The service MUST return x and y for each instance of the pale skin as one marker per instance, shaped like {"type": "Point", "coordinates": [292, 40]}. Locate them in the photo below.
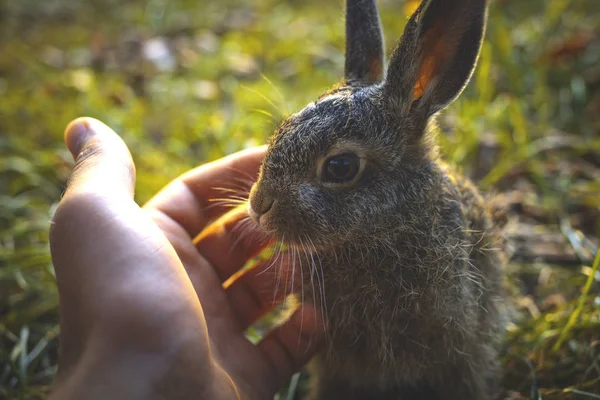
{"type": "Point", "coordinates": [143, 310]}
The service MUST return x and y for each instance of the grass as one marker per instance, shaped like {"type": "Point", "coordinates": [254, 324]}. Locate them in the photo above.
{"type": "Point", "coordinates": [187, 81]}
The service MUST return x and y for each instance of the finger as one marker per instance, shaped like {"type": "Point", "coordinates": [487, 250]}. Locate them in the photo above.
{"type": "Point", "coordinates": [187, 200]}
{"type": "Point", "coordinates": [99, 190]}
{"type": "Point", "coordinates": [103, 162]}
{"type": "Point", "coordinates": [291, 345]}
{"type": "Point", "coordinates": [259, 289]}
{"type": "Point", "coordinates": [229, 242]}
{"type": "Point", "coordinates": [103, 174]}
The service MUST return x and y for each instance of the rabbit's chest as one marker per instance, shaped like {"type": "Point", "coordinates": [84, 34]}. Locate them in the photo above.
{"type": "Point", "coordinates": [387, 340]}
{"type": "Point", "coordinates": [393, 325]}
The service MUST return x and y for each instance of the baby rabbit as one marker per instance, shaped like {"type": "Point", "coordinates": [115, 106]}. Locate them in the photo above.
{"type": "Point", "coordinates": [406, 260]}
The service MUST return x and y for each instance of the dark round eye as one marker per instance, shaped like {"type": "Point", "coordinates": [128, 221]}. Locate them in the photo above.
{"type": "Point", "coordinates": [341, 168]}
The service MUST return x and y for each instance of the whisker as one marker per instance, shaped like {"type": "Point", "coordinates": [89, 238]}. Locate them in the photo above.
{"type": "Point", "coordinates": [264, 112]}
{"type": "Point", "coordinates": [281, 98]}
{"type": "Point", "coordinates": [321, 283]}
{"type": "Point", "coordinates": [287, 272]}
{"type": "Point", "coordinates": [232, 206]}
{"type": "Point", "coordinates": [241, 199]}
{"type": "Point", "coordinates": [237, 200]}
{"type": "Point", "coordinates": [244, 173]}
{"type": "Point", "coordinates": [245, 226]}
{"type": "Point", "coordinates": [313, 269]}
{"type": "Point", "coordinates": [223, 204]}
{"type": "Point", "coordinates": [242, 223]}
{"type": "Point", "coordinates": [277, 251]}
{"type": "Point", "coordinates": [244, 183]}
{"type": "Point", "coordinates": [228, 190]}
{"type": "Point", "coordinates": [241, 185]}
{"type": "Point", "coordinates": [280, 276]}
{"type": "Point", "coordinates": [302, 282]}
{"type": "Point", "coordinates": [262, 96]}
{"type": "Point", "coordinates": [278, 273]}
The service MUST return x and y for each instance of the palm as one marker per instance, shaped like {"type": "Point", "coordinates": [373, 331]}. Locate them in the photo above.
{"type": "Point", "coordinates": [245, 363]}
{"type": "Point", "coordinates": [209, 260]}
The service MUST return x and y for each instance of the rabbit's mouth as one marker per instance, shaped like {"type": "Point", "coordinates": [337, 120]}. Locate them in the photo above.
{"type": "Point", "coordinates": [263, 217]}
{"type": "Point", "coordinates": [261, 206]}
{"type": "Point", "coordinates": [282, 220]}
{"type": "Point", "coordinates": [268, 222]}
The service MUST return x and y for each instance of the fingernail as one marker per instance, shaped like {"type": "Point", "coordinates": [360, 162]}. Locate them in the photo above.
{"type": "Point", "coordinates": [77, 134]}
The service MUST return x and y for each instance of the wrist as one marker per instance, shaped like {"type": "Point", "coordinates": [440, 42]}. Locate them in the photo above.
{"type": "Point", "coordinates": [102, 376]}
{"type": "Point", "coordinates": [132, 375]}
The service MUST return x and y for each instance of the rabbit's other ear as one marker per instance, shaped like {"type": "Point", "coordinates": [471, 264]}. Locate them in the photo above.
{"type": "Point", "coordinates": [365, 55]}
{"type": "Point", "coordinates": [436, 55]}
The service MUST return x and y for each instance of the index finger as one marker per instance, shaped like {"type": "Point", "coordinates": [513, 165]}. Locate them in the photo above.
{"type": "Point", "coordinates": [187, 200]}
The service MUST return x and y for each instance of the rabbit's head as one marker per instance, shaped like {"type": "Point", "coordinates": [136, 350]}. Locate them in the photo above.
{"type": "Point", "coordinates": [346, 164]}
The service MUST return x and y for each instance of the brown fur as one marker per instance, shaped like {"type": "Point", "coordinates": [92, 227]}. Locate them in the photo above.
{"type": "Point", "coordinates": [405, 262]}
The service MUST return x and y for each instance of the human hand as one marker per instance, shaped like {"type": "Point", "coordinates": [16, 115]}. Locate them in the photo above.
{"type": "Point", "coordinates": [143, 310]}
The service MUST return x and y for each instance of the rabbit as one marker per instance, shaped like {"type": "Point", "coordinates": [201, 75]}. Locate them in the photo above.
{"type": "Point", "coordinates": [406, 259]}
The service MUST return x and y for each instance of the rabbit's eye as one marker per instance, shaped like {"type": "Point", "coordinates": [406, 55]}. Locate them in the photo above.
{"type": "Point", "coordinates": [341, 168]}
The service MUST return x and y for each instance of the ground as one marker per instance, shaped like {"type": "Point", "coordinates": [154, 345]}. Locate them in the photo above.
{"type": "Point", "coordinates": [186, 81]}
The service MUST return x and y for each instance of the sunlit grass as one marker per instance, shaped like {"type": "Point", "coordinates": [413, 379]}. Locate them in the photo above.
{"type": "Point", "coordinates": [233, 69]}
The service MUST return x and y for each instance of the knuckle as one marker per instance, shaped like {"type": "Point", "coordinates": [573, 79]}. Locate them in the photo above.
{"type": "Point", "coordinates": [84, 161]}
{"type": "Point", "coordinates": [92, 150]}
{"type": "Point", "coordinates": [99, 166]}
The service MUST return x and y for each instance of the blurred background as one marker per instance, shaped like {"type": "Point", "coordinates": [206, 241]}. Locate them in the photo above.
{"type": "Point", "coordinates": [188, 81]}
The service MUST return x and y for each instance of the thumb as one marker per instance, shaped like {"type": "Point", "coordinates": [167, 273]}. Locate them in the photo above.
{"type": "Point", "coordinates": [99, 193]}
{"type": "Point", "coordinates": [103, 162]}
{"type": "Point", "coordinates": [83, 234]}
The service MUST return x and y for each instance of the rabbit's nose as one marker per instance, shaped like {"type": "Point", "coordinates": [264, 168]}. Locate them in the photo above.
{"type": "Point", "coordinates": [261, 204]}
{"type": "Point", "coordinates": [261, 201]}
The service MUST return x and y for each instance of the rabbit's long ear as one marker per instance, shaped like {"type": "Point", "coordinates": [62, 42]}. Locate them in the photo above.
{"type": "Point", "coordinates": [436, 55]}
{"type": "Point", "coordinates": [364, 43]}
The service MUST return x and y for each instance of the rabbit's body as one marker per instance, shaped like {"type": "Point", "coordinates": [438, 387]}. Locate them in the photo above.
{"type": "Point", "coordinates": [420, 312]}
{"type": "Point", "coordinates": [405, 261]}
